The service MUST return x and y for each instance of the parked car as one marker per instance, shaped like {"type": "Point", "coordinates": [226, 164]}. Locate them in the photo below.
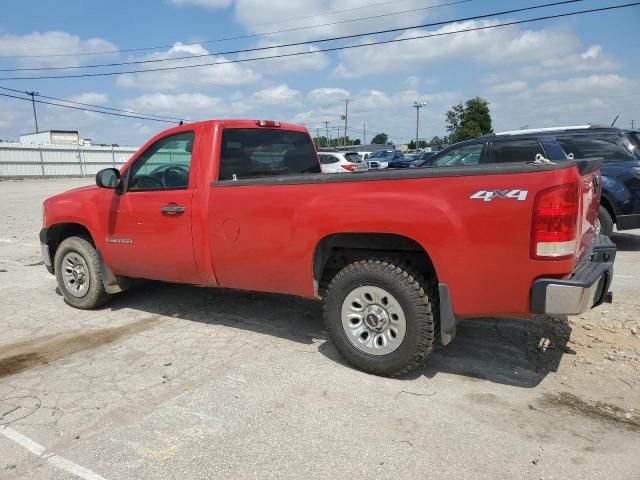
{"type": "Point", "coordinates": [619, 149]}
{"type": "Point", "coordinates": [421, 159]}
{"type": "Point", "coordinates": [341, 162]}
{"type": "Point", "coordinates": [242, 204]}
{"type": "Point", "coordinates": [392, 158]}
{"type": "Point", "coordinates": [379, 159]}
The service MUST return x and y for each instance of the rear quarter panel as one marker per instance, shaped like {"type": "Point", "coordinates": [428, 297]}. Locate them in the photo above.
{"type": "Point", "coordinates": [263, 237]}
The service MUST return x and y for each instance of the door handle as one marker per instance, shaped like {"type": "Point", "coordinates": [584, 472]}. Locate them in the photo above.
{"type": "Point", "coordinates": [172, 209]}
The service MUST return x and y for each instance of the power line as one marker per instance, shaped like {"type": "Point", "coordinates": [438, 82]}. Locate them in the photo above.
{"type": "Point", "coordinates": [332, 49]}
{"type": "Point", "coordinates": [292, 44]}
{"type": "Point", "coordinates": [224, 39]}
{"type": "Point", "coordinates": [84, 109]}
{"type": "Point", "coordinates": [94, 106]}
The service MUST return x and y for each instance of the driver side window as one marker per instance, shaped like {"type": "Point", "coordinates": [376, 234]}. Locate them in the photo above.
{"type": "Point", "coordinates": [165, 165]}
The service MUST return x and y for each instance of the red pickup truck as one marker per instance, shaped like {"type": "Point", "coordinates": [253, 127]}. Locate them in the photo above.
{"type": "Point", "coordinates": [397, 256]}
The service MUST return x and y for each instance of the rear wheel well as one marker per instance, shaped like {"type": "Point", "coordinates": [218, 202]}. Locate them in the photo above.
{"type": "Point", "coordinates": [336, 251]}
{"type": "Point", "coordinates": [56, 234]}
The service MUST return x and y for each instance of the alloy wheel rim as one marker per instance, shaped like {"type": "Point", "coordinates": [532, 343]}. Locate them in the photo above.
{"type": "Point", "coordinates": [373, 320]}
{"type": "Point", "coordinates": [75, 274]}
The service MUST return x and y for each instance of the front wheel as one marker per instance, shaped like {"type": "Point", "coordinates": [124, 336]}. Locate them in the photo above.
{"type": "Point", "coordinates": [79, 274]}
{"type": "Point", "coordinates": [379, 317]}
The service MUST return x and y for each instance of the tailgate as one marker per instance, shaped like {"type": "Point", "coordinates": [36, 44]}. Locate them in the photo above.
{"type": "Point", "coordinates": [590, 190]}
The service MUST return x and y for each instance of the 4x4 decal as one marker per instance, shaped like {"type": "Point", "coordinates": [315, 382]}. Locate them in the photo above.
{"type": "Point", "coordinates": [488, 195]}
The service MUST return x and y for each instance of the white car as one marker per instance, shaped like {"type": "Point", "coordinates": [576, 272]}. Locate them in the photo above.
{"type": "Point", "coordinates": [341, 162]}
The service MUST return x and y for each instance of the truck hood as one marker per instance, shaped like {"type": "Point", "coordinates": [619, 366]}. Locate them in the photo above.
{"type": "Point", "coordinates": [73, 191]}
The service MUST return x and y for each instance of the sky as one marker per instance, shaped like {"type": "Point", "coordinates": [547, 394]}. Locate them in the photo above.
{"type": "Point", "coordinates": [565, 71]}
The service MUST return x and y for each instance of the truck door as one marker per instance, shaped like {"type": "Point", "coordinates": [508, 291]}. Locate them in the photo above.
{"type": "Point", "coordinates": [149, 231]}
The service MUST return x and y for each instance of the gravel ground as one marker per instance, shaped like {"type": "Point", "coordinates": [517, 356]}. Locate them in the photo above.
{"type": "Point", "coordinates": [173, 381]}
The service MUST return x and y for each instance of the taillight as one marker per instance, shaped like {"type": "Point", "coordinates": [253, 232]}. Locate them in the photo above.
{"type": "Point", "coordinates": [267, 123]}
{"type": "Point", "coordinates": [349, 167]}
{"type": "Point", "coordinates": [554, 227]}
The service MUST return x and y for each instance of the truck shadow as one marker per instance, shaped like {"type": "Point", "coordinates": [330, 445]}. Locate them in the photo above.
{"type": "Point", "coordinates": [512, 351]}
{"type": "Point", "coordinates": [626, 242]}
{"type": "Point", "coordinates": [504, 351]}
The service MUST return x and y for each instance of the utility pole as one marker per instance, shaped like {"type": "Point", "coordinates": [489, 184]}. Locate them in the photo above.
{"type": "Point", "coordinates": [418, 105]}
{"type": "Point", "coordinates": [345, 117]}
{"type": "Point", "coordinates": [632, 124]}
{"type": "Point", "coordinates": [33, 103]}
{"type": "Point", "coordinates": [364, 138]}
{"type": "Point", "coordinates": [317, 137]}
{"type": "Point", "coordinates": [326, 126]}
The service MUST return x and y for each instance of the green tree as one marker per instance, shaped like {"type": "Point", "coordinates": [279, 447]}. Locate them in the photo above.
{"type": "Point", "coordinates": [380, 139]}
{"type": "Point", "coordinates": [470, 120]}
{"type": "Point", "coordinates": [436, 141]}
{"type": "Point", "coordinates": [356, 142]}
{"type": "Point", "coordinates": [423, 144]}
{"type": "Point", "coordinates": [412, 145]}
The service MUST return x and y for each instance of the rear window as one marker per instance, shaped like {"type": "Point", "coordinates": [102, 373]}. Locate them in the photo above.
{"type": "Point", "coordinates": [327, 159]}
{"type": "Point", "coordinates": [513, 151]}
{"type": "Point", "coordinates": [254, 153]}
{"type": "Point", "coordinates": [609, 147]}
{"type": "Point", "coordinates": [353, 157]}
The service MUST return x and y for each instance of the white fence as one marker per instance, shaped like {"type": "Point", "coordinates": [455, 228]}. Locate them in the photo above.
{"type": "Point", "coordinates": [17, 160]}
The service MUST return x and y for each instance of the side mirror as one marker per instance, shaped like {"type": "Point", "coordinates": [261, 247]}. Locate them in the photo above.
{"type": "Point", "coordinates": [108, 178]}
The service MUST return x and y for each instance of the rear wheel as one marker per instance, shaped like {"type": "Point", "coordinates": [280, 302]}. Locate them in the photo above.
{"type": "Point", "coordinates": [79, 274]}
{"type": "Point", "coordinates": [604, 223]}
{"type": "Point", "coordinates": [379, 317]}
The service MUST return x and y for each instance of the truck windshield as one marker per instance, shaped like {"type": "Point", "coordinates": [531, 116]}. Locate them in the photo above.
{"type": "Point", "coordinates": [252, 153]}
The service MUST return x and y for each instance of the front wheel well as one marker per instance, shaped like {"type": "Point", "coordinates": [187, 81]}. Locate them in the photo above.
{"type": "Point", "coordinates": [336, 251]}
{"type": "Point", "coordinates": [56, 234]}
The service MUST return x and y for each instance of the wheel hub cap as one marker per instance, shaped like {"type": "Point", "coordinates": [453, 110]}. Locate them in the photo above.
{"type": "Point", "coordinates": [74, 274]}
{"type": "Point", "coordinates": [376, 318]}
{"type": "Point", "coordinates": [373, 320]}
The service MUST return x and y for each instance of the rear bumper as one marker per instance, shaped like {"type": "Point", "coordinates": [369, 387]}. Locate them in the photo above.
{"type": "Point", "coordinates": [628, 222]}
{"type": "Point", "coordinates": [587, 288]}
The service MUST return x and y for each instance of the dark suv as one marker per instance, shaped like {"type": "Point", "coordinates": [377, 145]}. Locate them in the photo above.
{"type": "Point", "coordinates": [619, 149]}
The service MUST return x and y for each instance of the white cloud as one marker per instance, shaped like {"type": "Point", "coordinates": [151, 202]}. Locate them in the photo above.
{"type": "Point", "coordinates": [411, 82]}
{"type": "Point", "coordinates": [279, 95]}
{"type": "Point", "coordinates": [190, 106]}
{"type": "Point", "coordinates": [49, 44]}
{"type": "Point", "coordinates": [259, 16]}
{"type": "Point", "coordinates": [222, 75]}
{"type": "Point", "coordinates": [591, 60]}
{"type": "Point", "coordinates": [495, 47]}
{"type": "Point", "coordinates": [508, 87]}
{"type": "Point", "coordinates": [295, 63]}
{"type": "Point", "coordinates": [327, 96]}
{"type": "Point", "coordinates": [93, 98]}
{"type": "Point", "coordinates": [596, 98]}
{"type": "Point", "coordinates": [202, 3]}
{"type": "Point", "coordinates": [584, 85]}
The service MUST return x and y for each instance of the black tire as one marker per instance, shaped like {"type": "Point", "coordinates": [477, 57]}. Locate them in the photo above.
{"type": "Point", "coordinates": [606, 222]}
{"type": "Point", "coordinates": [410, 292]}
{"type": "Point", "coordinates": [96, 294]}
